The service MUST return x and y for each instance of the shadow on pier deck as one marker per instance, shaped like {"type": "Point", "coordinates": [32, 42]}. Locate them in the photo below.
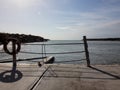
{"type": "Point", "coordinates": [63, 77]}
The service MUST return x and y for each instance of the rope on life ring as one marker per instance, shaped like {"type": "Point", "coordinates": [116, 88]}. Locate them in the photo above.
{"type": "Point", "coordinates": [14, 42]}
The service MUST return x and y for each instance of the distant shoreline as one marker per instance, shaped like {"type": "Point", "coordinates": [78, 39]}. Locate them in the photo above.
{"type": "Point", "coordinates": [22, 37]}
{"type": "Point", "coordinates": [103, 39]}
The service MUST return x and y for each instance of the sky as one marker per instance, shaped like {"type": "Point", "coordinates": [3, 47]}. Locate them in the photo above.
{"type": "Point", "coordinates": [61, 19]}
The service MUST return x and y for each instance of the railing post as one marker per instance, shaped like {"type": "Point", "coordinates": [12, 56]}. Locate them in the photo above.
{"type": "Point", "coordinates": [14, 54]}
{"type": "Point", "coordinates": [86, 51]}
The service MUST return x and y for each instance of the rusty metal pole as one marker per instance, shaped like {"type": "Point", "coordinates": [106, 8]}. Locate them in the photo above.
{"type": "Point", "coordinates": [14, 53]}
{"type": "Point", "coordinates": [14, 60]}
{"type": "Point", "coordinates": [86, 51]}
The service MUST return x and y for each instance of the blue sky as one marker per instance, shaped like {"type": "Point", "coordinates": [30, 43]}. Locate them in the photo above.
{"type": "Point", "coordinates": [61, 19]}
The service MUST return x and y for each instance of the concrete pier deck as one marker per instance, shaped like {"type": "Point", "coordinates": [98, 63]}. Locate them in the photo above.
{"type": "Point", "coordinates": [61, 77]}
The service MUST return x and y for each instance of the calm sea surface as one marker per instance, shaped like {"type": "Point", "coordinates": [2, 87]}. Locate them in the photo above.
{"type": "Point", "coordinates": [101, 52]}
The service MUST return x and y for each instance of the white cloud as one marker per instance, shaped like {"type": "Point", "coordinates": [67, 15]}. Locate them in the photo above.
{"type": "Point", "coordinates": [63, 28]}
{"type": "Point", "coordinates": [101, 18]}
{"type": "Point", "coordinates": [111, 24]}
{"type": "Point", "coordinates": [21, 4]}
{"type": "Point", "coordinates": [91, 26]}
{"type": "Point", "coordinates": [111, 1]}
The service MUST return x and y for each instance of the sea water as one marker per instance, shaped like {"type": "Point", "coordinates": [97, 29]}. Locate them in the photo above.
{"type": "Point", "coordinates": [100, 52]}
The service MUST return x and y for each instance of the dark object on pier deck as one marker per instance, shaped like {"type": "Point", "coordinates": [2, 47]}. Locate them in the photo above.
{"type": "Point", "coordinates": [48, 60]}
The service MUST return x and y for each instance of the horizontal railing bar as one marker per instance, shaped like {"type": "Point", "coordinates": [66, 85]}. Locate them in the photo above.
{"type": "Point", "coordinates": [63, 61]}
{"type": "Point", "coordinates": [32, 60]}
{"type": "Point", "coordinates": [28, 59]}
{"type": "Point", "coordinates": [6, 61]}
{"type": "Point", "coordinates": [70, 61]}
{"type": "Point", "coordinates": [57, 44]}
{"type": "Point", "coordinates": [53, 53]}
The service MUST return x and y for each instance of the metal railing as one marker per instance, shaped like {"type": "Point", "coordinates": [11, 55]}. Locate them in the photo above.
{"type": "Point", "coordinates": [44, 53]}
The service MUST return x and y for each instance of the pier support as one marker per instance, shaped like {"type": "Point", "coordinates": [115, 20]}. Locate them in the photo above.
{"type": "Point", "coordinates": [86, 51]}
{"type": "Point", "coordinates": [14, 54]}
